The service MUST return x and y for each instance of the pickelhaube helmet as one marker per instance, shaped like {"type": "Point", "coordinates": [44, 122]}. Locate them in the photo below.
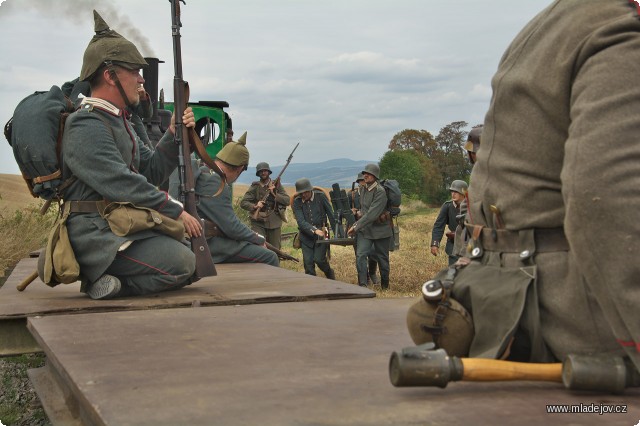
{"type": "Point", "coordinates": [108, 45]}
{"type": "Point", "coordinates": [303, 185]}
{"type": "Point", "coordinates": [372, 169]}
{"type": "Point", "coordinates": [235, 153]}
{"type": "Point", "coordinates": [473, 140]}
{"type": "Point", "coordinates": [262, 166]}
{"type": "Point", "coordinates": [459, 186]}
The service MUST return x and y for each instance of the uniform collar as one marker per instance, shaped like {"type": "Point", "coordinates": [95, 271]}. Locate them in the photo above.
{"type": "Point", "coordinates": [372, 186]}
{"type": "Point", "coordinates": [101, 104]}
{"type": "Point", "coordinates": [313, 194]}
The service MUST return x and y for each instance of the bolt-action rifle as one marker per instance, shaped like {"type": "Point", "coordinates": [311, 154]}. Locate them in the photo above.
{"type": "Point", "coordinates": [204, 263]}
{"type": "Point", "coordinates": [255, 214]}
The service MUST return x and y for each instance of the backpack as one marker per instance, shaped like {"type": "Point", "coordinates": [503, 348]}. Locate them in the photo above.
{"type": "Point", "coordinates": [35, 135]}
{"type": "Point", "coordinates": [394, 195]}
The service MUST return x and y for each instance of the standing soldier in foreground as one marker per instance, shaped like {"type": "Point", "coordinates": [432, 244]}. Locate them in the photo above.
{"type": "Point", "coordinates": [108, 161]}
{"type": "Point", "coordinates": [270, 213]}
{"type": "Point", "coordinates": [229, 240]}
{"type": "Point", "coordinates": [372, 230]}
{"type": "Point", "coordinates": [447, 218]}
{"type": "Point", "coordinates": [312, 209]}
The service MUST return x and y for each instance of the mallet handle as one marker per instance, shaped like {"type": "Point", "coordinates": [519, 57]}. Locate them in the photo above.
{"type": "Point", "coordinates": [486, 370]}
{"type": "Point", "coordinates": [25, 283]}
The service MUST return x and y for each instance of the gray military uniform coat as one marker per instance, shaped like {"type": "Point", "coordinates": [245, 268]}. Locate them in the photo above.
{"type": "Point", "coordinates": [110, 162]}
{"type": "Point", "coordinates": [239, 243]}
{"type": "Point", "coordinates": [560, 150]}
{"type": "Point", "coordinates": [372, 237]}
{"type": "Point", "coordinates": [270, 218]}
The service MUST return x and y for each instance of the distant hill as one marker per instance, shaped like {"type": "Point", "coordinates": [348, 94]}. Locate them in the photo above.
{"type": "Point", "coordinates": [342, 171]}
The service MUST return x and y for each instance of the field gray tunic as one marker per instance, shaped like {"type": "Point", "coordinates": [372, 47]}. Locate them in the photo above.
{"type": "Point", "coordinates": [110, 162]}
{"type": "Point", "coordinates": [561, 148]}
{"type": "Point", "coordinates": [238, 241]}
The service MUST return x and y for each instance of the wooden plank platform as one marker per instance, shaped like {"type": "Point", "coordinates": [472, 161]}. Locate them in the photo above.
{"type": "Point", "coordinates": [236, 283]}
{"type": "Point", "coordinates": [313, 363]}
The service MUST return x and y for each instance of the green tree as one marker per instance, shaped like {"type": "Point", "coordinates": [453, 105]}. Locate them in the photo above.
{"type": "Point", "coordinates": [452, 159]}
{"type": "Point", "coordinates": [414, 172]}
{"type": "Point", "coordinates": [420, 141]}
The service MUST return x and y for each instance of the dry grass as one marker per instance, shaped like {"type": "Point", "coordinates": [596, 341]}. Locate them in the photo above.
{"type": "Point", "coordinates": [24, 230]}
{"type": "Point", "coordinates": [411, 265]}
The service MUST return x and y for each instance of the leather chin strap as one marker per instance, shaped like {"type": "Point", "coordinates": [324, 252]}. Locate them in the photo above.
{"type": "Point", "coordinates": [112, 72]}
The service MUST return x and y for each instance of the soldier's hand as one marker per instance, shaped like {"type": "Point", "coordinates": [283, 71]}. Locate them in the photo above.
{"type": "Point", "coordinates": [191, 224]}
{"type": "Point", "coordinates": [319, 233]}
{"type": "Point", "coordinates": [259, 205]}
{"type": "Point", "coordinates": [434, 250]}
{"type": "Point", "coordinates": [188, 120]}
{"type": "Point", "coordinates": [352, 231]}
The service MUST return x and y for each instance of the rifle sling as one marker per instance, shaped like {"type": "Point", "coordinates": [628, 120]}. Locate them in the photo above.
{"type": "Point", "coordinates": [196, 144]}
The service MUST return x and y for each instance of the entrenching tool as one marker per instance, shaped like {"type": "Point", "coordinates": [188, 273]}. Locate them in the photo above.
{"type": "Point", "coordinates": [424, 365]}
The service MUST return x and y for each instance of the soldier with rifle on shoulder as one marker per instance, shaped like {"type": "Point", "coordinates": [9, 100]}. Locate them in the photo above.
{"type": "Point", "coordinates": [108, 161]}
{"type": "Point", "coordinates": [266, 201]}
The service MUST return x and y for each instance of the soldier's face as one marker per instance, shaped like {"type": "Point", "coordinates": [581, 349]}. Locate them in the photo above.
{"type": "Point", "coordinates": [130, 81]}
{"type": "Point", "coordinates": [306, 195]}
{"type": "Point", "coordinates": [369, 178]}
{"type": "Point", "coordinates": [456, 196]}
{"type": "Point", "coordinates": [264, 174]}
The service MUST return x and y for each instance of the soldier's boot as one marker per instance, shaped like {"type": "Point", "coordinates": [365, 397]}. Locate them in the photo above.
{"type": "Point", "coordinates": [385, 283]}
{"type": "Point", "coordinates": [362, 279]}
{"type": "Point", "coordinates": [373, 266]}
{"type": "Point", "coordinates": [330, 274]}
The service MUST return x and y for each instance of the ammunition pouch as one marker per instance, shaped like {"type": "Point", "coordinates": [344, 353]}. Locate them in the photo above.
{"type": "Point", "coordinates": [126, 219]}
{"type": "Point", "coordinates": [384, 217]}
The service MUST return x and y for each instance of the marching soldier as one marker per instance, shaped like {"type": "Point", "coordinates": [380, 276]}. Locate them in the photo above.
{"type": "Point", "coordinates": [271, 213]}
{"type": "Point", "coordinates": [447, 218]}
{"type": "Point", "coordinates": [312, 210]}
{"type": "Point", "coordinates": [372, 230]}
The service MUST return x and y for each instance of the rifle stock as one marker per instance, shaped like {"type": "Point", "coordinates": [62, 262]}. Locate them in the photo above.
{"type": "Point", "coordinates": [204, 262]}
{"type": "Point", "coordinates": [282, 255]}
{"type": "Point", "coordinates": [255, 214]}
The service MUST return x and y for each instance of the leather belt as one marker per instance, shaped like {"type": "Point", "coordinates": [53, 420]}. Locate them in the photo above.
{"type": "Point", "coordinates": [83, 206]}
{"type": "Point", "coordinates": [211, 229]}
{"type": "Point", "coordinates": [502, 240]}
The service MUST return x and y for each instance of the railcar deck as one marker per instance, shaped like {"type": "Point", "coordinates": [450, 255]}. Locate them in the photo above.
{"type": "Point", "coordinates": [235, 284]}
{"type": "Point", "coordinates": [311, 363]}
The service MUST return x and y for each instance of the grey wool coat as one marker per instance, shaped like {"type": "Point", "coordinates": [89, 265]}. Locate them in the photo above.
{"type": "Point", "coordinates": [218, 209]}
{"type": "Point", "coordinates": [101, 149]}
{"type": "Point", "coordinates": [270, 218]}
{"type": "Point", "coordinates": [560, 149]}
{"type": "Point", "coordinates": [317, 213]}
{"type": "Point", "coordinates": [373, 202]}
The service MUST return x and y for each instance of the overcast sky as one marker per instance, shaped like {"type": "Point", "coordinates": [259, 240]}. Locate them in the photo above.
{"type": "Point", "coordinates": [340, 76]}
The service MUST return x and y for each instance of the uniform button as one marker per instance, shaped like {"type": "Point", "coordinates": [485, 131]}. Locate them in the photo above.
{"type": "Point", "coordinates": [524, 254]}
